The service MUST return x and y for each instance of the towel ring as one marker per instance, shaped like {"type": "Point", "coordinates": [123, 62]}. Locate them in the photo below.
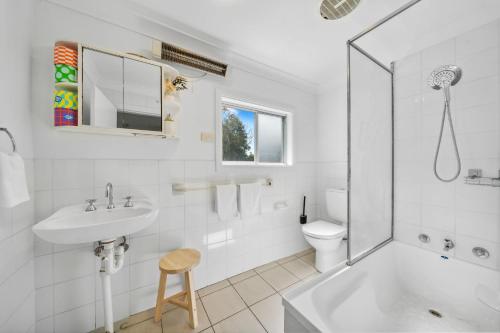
{"type": "Point", "coordinates": [11, 137]}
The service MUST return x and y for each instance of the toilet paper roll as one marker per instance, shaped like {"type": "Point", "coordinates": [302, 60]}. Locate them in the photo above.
{"type": "Point", "coordinates": [65, 99]}
{"type": "Point", "coordinates": [65, 55]}
{"type": "Point", "coordinates": [65, 117]}
{"type": "Point", "coordinates": [65, 73]}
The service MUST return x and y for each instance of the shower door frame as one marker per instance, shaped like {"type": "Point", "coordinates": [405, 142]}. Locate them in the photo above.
{"type": "Point", "coordinates": [351, 260]}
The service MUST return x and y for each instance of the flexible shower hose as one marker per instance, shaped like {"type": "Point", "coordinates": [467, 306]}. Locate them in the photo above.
{"type": "Point", "coordinates": [446, 111]}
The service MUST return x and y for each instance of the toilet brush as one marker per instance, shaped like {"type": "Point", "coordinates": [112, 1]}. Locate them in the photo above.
{"type": "Point", "coordinates": [303, 217]}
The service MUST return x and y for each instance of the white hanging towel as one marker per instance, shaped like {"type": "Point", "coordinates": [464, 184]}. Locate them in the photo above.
{"type": "Point", "coordinates": [226, 202]}
{"type": "Point", "coordinates": [13, 185]}
{"type": "Point", "coordinates": [249, 199]}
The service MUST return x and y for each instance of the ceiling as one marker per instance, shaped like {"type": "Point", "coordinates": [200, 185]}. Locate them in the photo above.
{"type": "Point", "coordinates": [290, 35]}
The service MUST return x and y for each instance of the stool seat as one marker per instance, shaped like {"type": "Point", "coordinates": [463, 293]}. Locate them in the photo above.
{"type": "Point", "coordinates": [179, 261]}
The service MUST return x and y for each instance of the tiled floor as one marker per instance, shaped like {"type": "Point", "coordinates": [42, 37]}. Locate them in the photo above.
{"type": "Point", "coordinates": [246, 303]}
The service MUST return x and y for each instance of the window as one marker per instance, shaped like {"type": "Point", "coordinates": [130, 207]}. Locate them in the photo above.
{"type": "Point", "coordinates": [253, 135]}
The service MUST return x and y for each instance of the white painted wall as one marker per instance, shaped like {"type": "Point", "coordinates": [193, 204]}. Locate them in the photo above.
{"type": "Point", "coordinates": [73, 167]}
{"type": "Point", "coordinates": [469, 215]}
{"type": "Point", "coordinates": [331, 147]}
{"type": "Point", "coordinates": [17, 296]}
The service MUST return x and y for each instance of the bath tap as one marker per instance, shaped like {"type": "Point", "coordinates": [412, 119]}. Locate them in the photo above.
{"type": "Point", "coordinates": [109, 194]}
{"type": "Point", "coordinates": [448, 244]}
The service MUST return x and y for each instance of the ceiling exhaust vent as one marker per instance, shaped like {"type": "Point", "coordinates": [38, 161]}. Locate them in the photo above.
{"type": "Point", "coordinates": [178, 55]}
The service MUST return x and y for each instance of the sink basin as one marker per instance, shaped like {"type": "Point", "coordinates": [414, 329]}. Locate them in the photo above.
{"type": "Point", "coordinates": [73, 225]}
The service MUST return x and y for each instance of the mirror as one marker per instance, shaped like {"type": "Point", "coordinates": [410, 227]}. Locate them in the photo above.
{"type": "Point", "coordinates": [119, 92]}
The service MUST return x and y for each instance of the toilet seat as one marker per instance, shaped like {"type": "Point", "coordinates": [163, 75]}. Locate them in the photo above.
{"type": "Point", "coordinates": [323, 230]}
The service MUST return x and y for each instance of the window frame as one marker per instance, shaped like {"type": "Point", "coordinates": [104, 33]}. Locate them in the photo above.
{"type": "Point", "coordinates": [224, 100]}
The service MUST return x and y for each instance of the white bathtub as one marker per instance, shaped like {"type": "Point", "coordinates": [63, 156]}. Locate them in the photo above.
{"type": "Point", "coordinates": [393, 290]}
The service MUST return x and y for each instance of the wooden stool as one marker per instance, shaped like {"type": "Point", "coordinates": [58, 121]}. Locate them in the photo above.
{"type": "Point", "coordinates": [177, 262]}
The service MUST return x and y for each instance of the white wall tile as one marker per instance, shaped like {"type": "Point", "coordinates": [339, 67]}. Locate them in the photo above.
{"type": "Point", "coordinates": [171, 171]}
{"type": "Point", "coordinates": [436, 217]}
{"type": "Point", "coordinates": [72, 174]}
{"type": "Point", "coordinates": [73, 264]}
{"type": "Point", "coordinates": [74, 293]}
{"type": "Point", "coordinates": [44, 271]}
{"type": "Point", "coordinates": [478, 92]}
{"type": "Point", "coordinates": [478, 39]}
{"type": "Point", "coordinates": [5, 223]}
{"type": "Point", "coordinates": [479, 225]}
{"type": "Point", "coordinates": [43, 205]}
{"type": "Point", "coordinates": [171, 218]}
{"type": "Point", "coordinates": [144, 248]}
{"type": "Point", "coordinates": [144, 172]}
{"type": "Point", "coordinates": [437, 55]}
{"type": "Point", "coordinates": [113, 171]}
{"type": "Point", "coordinates": [15, 289]}
{"type": "Point", "coordinates": [143, 298]}
{"type": "Point", "coordinates": [44, 302]}
{"type": "Point", "coordinates": [171, 240]}
{"type": "Point", "coordinates": [196, 216]}
{"type": "Point", "coordinates": [78, 320]}
{"type": "Point", "coordinates": [144, 274]}
{"type": "Point", "coordinates": [45, 325]}
{"type": "Point", "coordinates": [43, 174]}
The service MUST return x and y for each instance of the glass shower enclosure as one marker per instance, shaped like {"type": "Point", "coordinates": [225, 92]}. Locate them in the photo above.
{"type": "Point", "coordinates": [370, 173]}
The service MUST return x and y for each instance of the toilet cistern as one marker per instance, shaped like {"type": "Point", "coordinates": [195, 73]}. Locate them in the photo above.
{"type": "Point", "coordinates": [109, 195]}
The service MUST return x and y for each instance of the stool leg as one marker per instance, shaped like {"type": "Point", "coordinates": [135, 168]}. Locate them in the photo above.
{"type": "Point", "coordinates": [191, 299]}
{"type": "Point", "coordinates": [161, 295]}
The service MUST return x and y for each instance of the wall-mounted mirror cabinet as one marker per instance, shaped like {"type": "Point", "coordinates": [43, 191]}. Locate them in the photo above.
{"type": "Point", "coordinates": [119, 93]}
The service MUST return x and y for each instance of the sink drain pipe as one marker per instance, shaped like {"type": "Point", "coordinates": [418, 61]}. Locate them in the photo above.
{"type": "Point", "coordinates": [112, 258]}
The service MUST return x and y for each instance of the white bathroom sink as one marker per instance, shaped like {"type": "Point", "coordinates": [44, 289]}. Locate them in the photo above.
{"type": "Point", "coordinates": [73, 225]}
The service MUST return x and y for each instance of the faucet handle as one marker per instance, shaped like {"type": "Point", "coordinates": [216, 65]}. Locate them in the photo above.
{"type": "Point", "coordinates": [91, 205]}
{"type": "Point", "coordinates": [448, 244]}
{"type": "Point", "coordinates": [129, 202]}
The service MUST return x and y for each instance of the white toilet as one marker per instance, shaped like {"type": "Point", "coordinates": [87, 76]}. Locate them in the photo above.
{"type": "Point", "coordinates": [324, 236]}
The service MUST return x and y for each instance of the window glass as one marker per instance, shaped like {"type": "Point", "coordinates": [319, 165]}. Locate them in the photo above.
{"type": "Point", "coordinates": [270, 138]}
{"type": "Point", "coordinates": [238, 135]}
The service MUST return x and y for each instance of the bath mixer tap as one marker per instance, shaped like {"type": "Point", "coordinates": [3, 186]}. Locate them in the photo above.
{"type": "Point", "coordinates": [109, 195]}
{"type": "Point", "coordinates": [448, 244]}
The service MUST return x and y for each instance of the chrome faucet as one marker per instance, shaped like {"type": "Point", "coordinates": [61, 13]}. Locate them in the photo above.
{"type": "Point", "coordinates": [109, 194]}
{"type": "Point", "coordinates": [448, 244]}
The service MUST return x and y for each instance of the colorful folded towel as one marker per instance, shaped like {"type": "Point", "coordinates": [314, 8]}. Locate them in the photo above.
{"type": "Point", "coordinates": [65, 117]}
{"type": "Point", "coordinates": [65, 73]}
{"type": "Point", "coordinates": [65, 55]}
{"type": "Point", "coordinates": [65, 99]}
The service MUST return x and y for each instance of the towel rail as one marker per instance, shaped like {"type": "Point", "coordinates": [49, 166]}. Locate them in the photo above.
{"type": "Point", "coordinates": [197, 186]}
{"type": "Point", "coordinates": [11, 137]}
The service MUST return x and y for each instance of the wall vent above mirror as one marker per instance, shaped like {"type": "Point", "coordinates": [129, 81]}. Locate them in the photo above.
{"type": "Point", "coordinates": [185, 57]}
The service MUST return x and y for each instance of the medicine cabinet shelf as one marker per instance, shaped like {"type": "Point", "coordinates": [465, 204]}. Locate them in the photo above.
{"type": "Point", "coordinates": [114, 131]}
{"type": "Point", "coordinates": [475, 177]}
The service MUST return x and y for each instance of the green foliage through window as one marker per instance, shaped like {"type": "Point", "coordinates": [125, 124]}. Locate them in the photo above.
{"type": "Point", "coordinates": [237, 135]}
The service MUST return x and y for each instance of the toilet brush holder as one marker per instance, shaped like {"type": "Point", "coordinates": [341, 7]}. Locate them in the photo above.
{"type": "Point", "coordinates": [303, 216]}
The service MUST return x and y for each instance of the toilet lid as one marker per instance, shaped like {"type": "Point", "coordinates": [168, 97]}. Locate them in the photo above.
{"type": "Point", "coordinates": [323, 230]}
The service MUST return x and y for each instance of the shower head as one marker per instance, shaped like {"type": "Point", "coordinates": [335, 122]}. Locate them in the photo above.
{"type": "Point", "coordinates": [335, 9]}
{"type": "Point", "coordinates": [444, 76]}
